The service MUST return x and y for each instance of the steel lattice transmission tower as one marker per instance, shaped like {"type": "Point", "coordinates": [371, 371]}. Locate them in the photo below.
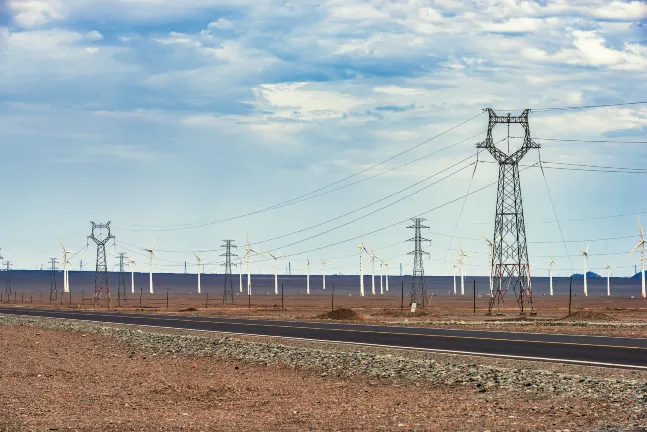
{"type": "Point", "coordinates": [510, 265]}
{"type": "Point", "coordinates": [101, 273]}
{"type": "Point", "coordinates": [228, 291]}
{"type": "Point", "coordinates": [53, 291]}
{"type": "Point", "coordinates": [121, 289]}
{"type": "Point", "coordinates": [418, 293]}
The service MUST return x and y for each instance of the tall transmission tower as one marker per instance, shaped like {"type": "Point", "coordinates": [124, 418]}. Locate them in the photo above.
{"type": "Point", "coordinates": [53, 291]}
{"type": "Point", "coordinates": [81, 265]}
{"type": "Point", "coordinates": [7, 288]}
{"type": "Point", "coordinates": [510, 252]}
{"type": "Point", "coordinates": [121, 289]}
{"type": "Point", "coordinates": [101, 272]}
{"type": "Point", "coordinates": [228, 291]}
{"type": "Point", "coordinates": [418, 293]}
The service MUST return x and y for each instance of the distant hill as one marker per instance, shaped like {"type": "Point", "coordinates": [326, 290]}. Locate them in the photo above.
{"type": "Point", "coordinates": [589, 275]}
{"type": "Point", "coordinates": [637, 276]}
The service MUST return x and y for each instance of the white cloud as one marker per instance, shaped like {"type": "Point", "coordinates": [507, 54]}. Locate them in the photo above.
{"type": "Point", "coordinates": [125, 152]}
{"type": "Point", "coordinates": [633, 10]}
{"type": "Point", "coordinates": [92, 50]}
{"type": "Point", "coordinates": [94, 35]}
{"type": "Point", "coordinates": [34, 13]}
{"type": "Point", "coordinates": [175, 38]}
{"type": "Point", "coordinates": [220, 24]}
{"type": "Point", "coordinates": [522, 25]}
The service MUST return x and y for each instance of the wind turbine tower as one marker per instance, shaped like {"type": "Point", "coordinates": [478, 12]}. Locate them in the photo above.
{"type": "Point", "coordinates": [381, 276]}
{"type": "Point", "coordinates": [455, 267]}
{"type": "Point", "coordinates": [387, 276]}
{"type": "Point", "coordinates": [199, 259]}
{"type": "Point", "coordinates": [608, 270]}
{"type": "Point", "coordinates": [361, 248]}
{"type": "Point", "coordinates": [101, 271]}
{"type": "Point", "coordinates": [248, 254]}
{"type": "Point", "coordinates": [585, 254]}
{"type": "Point", "coordinates": [276, 271]}
{"type": "Point", "coordinates": [132, 264]}
{"type": "Point", "coordinates": [373, 256]}
{"type": "Point", "coordinates": [511, 264]}
{"type": "Point", "coordinates": [308, 276]}
{"type": "Point", "coordinates": [550, 272]}
{"type": "Point", "coordinates": [461, 261]}
{"type": "Point", "coordinates": [641, 245]}
{"type": "Point", "coordinates": [323, 273]}
{"type": "Point", "coordinates": [151, 254]}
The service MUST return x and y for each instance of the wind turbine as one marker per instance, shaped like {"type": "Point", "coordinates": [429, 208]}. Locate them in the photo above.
{"type": "Point", "coordinates": [461, 261]}
{"type": "Point", "coordinates": [361, 248]}
{"type": "Point", "coordinates": [387, 276]}
{"type": "Point", "coordinates": [491, 250]}
{"type": "Point", "coordinates": [608, 269]}
{"type": "Point", "coordinates": [454, 266]}
{"type": "Point", "coordinates": [199, 262]}
{"type": "Point", "coordinates": [240, 273]}
{"type": "Point", "coordinates": [151, 252]}
{"type": "Point", "coordinates": [132, 275]}
{"type": "Point", "coordinates": [585, 254]}
{"type": "Point", "coordinates": [248, 254]}
{"type": "Point", "coordinates": [308, 276]}
{"type": "Point", "coordinates": [276, 271]}
{"type": "Point", "coordinates": [66, 261]}
{"type": "Point", "coordinates": [641, 245]}
{"type": "Point", "coordinates": [323, 272]}
{"type": "Point", "coordinates": [550, 272]}
{"type": "Point", "coordinates": [373, 256]}
{"type": "Point", "coordinates": [381, 274]}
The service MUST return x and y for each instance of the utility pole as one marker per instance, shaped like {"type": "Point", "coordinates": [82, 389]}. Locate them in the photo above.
{"type": "Point", "coordinates": [101, 271]}
{"type": "Point", "coordinates": [510, 256]}
{"type": "Point", "coordinates": [121, 289]}
{"type": "Point", "coordinates": [81, 265]}
{"type": "Point", "coordinates": [400, 269]}
{"type": "Point", "coordinates": [53, 291]}
{"type": "Point", "coordinates": [184, 267]}
{"type": "Point", "coordinates": [8, 279]}
{"type": "Point", "coordinates": [228, 291]}
{"type": "Point", "coordinates": [418, 293]}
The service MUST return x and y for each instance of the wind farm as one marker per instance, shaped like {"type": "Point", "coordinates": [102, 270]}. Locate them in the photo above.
{"type": "Point", "coordinates": [336, 216]}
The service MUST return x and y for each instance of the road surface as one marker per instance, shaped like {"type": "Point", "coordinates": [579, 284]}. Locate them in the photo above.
{"type": "Point", "coordinates": [588, 350]}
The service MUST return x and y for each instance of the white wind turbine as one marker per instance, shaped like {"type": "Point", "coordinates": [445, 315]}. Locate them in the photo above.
{"type": "Point", "coordinates": [199, 259]}
{"type": "Point", "coordinates": [550, 272]}
{"type": "Point", "coordinates": [387, 276]}
{"type": "Point", "coordinates": [585, 254]}
{"type": "Point", "coordinates": [608, 270]}
{"type": "Point", "coordinates": [455, 267]}
{"type": "Point", "coordinates": [641, 245]}
{"type": "Point", "coordinates": [323, 272]}
{"type": "Point", "coordinates": [381, 276]}
{"type": "Point", "coordinates": [373, 256]}
{"type": "Point", "coordinates": [132, 275]}
{"type": "Point", "coordinates": [248, 254]}
{"type": "Point", "coordinates": [151, 253]}
{"type": "Point", "coordinates": [361, 248]}
{"type": "Point", "coordinates": [240, 273]}
{"type": "Point", "coordinates": [490, 264]}
{"type": "Point", "coordinates": [461, 261]}
{"type": "Point", "coordinates": [66, 261]}
{"type": "Point", "coordinates": [276, 271]}
{"type": "Point", "coordinates": [307, 276]}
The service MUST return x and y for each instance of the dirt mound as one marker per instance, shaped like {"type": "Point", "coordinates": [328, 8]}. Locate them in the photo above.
{"type": "Point", "coordinates": [341, 314]}
{"type": "Point", "coordinates": [189, 309]}
{"type": "Point", "coordinates": [587, 316]}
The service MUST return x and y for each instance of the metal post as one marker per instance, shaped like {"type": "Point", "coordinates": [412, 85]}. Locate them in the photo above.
{"type": "Point", "coordinates": [206, 301]}
{"type": "Point", "coordinates": [282, 308]}
{"type": "Point", "coordinates": [474, 295]}
{"type": "Point", "coordinates": [249, 300]}
{"type": "Point", "coordinates": [402, 298]}
{"type": "Point", "coordinates": [83, 298]}
{"type": "Point", "coordinates": [570, 292]}
{"type": "Point", "coordinates": [62, 295]}
{"type": "Point", "coordinates": [166, 299]}
{"type": "Point", "coordinates": [70, 298]}
{"type": "Point", "coordinates": [332, 298]}
{"type": "Point", "coordinates": [140, 296]}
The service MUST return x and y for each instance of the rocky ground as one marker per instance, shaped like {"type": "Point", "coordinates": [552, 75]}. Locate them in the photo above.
{"type": "Point", "coordinates": [80, 376]}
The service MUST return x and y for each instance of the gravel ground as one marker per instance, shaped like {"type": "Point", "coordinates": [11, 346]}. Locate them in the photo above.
{"type": "Point", "coordinates": [88, 380]}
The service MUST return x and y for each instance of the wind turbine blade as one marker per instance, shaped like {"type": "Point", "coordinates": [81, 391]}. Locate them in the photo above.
{"type": "Point", "coordinates": [155, 244]}
{"type": "Point", "coordinates": [640, 227]}
{"type": "Point", "coordinates": [247, 236]}
{"type": "Point", "coordinates": [486, 239]}
{"type": "Point", "coordinates": [587, 247]}
{"type": "Point", "coordinates": [637, 246]}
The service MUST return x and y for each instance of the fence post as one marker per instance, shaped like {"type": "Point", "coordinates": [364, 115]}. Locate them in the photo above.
{"type": "Point", "coordinates": [140, 296]}
{"type": "Point", "coordinates": [206, 301]}
{"type": "Point", "coordinates": [166, 299]}
{"type": "Point", "coordinates": [70, 297]}
{"type": "Point", "coordinates": [83, 298]}
{"type": "Point", "coordinates": [402, 298]}
{"type": "Point", "coordinates": [474, 295]}
{"type": "Point", "coordinates": [332, 298]}
{"type": "Point", "coordinates": [570, 292]}
{"type": "Point", "coordinates": [282, 308]}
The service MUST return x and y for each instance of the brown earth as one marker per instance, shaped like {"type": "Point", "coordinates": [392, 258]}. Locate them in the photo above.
{"type": "Point", "coordinates": [67, 381]}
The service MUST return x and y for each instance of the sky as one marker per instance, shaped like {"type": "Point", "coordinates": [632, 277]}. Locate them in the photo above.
{"type": "Point", "coordinates": [184, 119]}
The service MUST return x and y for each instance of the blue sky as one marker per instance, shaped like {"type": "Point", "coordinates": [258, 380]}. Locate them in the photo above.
{"type": "Point", "coordinates": [159, 114]}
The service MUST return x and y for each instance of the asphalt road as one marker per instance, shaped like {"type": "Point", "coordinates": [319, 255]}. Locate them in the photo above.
{"type": "Point", "coordinates": [593, 350]}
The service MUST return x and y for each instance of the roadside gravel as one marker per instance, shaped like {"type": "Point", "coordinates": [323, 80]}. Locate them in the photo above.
{"type": "Point", "coordinates": [353, 362]}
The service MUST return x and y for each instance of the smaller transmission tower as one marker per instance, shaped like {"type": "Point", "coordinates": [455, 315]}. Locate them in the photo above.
{"type": "Point", "coordinates": [418, 293]}
{"type": "Point", "coordinates": [121, 289]}
{"type": "Point", "coordinates": [101, 272]}
{"type": "Point", "coordinates": [53, 291]}
{"type": "Point", "coordinates": [228, 292]}
{"type": "Point", "coordinates": [7, 289]}
{"type": "Point", "coordinates": [81, 265]}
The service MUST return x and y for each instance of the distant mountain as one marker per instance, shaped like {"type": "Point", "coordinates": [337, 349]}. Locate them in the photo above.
{"type": "Point", "coordinates": [589, 275]}
{"type": "Point", "coordinates": [637, 276]}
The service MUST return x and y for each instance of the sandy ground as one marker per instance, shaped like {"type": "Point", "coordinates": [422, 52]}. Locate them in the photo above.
{"type": "Point", "coordinates": [65, 381]}
{"type": "Point", "coordinates": [443, 311]}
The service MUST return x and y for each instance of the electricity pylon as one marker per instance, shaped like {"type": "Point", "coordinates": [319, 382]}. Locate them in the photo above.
{"type": "Point", "coordinates": [101, 272]}
{"type": "Point", "coordinates": [228, 291]}
{"type": "Point", "coordinates": [121, 289]}
{"type": "Point", "coordinates": [510, 252]}
{"type": "Point", "coordinates": [53, 291]}
{"type": "Point", "coordinates": [418, 293]}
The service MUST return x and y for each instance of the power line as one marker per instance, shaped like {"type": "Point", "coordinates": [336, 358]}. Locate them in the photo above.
{"type": "Point", "coordinates": [589, 141]}
{"type": "Point", "coordinates": [589, 106]}
{"type": "Point", "coordinates": [296, 199]}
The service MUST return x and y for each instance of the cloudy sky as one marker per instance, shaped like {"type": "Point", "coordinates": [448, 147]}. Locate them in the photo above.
{"type": "Point", "coordinates": [191, 120]}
